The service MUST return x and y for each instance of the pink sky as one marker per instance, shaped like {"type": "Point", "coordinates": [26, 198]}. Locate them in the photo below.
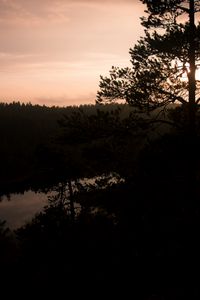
{"type": "Point", "coordinates": [53, 51]}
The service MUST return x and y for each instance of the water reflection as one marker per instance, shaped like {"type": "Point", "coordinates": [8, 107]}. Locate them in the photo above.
{"type": "Point", "coordinates": [17, 209]}
{"type": "Point", "coordinates": [20, 208]}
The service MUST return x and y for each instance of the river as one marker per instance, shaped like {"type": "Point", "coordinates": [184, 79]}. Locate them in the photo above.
{"type": "Point", "coordinates": [21, 208]}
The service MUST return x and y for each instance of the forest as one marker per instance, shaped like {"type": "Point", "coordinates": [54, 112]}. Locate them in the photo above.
{"type": "Point", "coordinates": [125, 177]}
{"type": "Point", "coordinates": [120, 190]}
{"type": "Point", "coordinates": [29, 133]}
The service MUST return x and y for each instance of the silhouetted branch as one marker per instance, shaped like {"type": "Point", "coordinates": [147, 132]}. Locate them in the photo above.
{"type": "Point", "coordinates": [172, 96]}
{"type": "Point", "coordinates": [198, 100]}
{"type": "Point", "coordinates": [165, 122]}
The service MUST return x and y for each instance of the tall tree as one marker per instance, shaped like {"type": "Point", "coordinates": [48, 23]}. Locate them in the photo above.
{"type": "Point", "coordinates": [164, 61]}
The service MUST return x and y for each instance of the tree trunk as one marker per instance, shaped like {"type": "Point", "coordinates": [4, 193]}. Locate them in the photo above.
{"type": "Point", "coordinates": [72, 210]}
{"type": "Point", "coordinates": [192, 155]}
{"type": "Point", "coordinates": [192, 80]}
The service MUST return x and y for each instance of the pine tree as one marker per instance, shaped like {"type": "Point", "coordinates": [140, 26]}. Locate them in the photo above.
{"type": "Point", "coordinates": [164, 61]}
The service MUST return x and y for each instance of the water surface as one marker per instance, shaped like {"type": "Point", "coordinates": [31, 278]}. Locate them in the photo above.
{"type": "Point", "coordinates": [21, 208]}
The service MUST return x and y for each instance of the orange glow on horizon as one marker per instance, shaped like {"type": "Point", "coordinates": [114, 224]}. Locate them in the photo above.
{"type": "Point", "coordinates": [55, 52]}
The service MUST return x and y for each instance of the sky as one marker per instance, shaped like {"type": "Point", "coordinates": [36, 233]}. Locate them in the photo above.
{"type": "Point", "coordinates": [53, 52]}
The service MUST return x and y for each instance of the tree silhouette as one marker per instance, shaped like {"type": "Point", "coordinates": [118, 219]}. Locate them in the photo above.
{"type": "Point", "coordinates": [168, 52]}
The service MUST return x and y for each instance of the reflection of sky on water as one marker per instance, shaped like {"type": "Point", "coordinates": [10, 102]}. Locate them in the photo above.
{"type": "Point", "coordinates": [21, 207]}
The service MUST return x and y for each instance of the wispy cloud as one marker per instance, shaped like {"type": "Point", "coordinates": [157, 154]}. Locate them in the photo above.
{"type": "Point", "coordinates": [49, 47]}
{"type": "Point", "coordinates": [34, 12]}
{"type": "Point", "coordinates": [17, 11]}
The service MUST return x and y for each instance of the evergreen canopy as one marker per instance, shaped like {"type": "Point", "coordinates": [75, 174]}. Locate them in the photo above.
{"type": "Point", "coordinates": [164, 61]}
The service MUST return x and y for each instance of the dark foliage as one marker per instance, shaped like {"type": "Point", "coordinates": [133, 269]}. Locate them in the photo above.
{"type": "Point", "coordinates": [123, 187]}
{"type": "Point", "coordinates": [168, 50]}
{"type": "Point", "coordinates": [151, 209]}
{"type": "Point", "coordinates": [27, 134]}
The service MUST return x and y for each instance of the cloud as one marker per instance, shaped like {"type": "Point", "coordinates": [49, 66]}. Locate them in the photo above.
{"type": "Point", "coordinates": [20, 11]}
{"type": "Point", "coordinates": [95, 29]}
{"type": "Point", "coordinates": [54, 47]}
{"type": "Point", "coordinates": [13, 11]}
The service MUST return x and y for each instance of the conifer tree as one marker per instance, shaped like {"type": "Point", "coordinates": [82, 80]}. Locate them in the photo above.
{"type": "Point", "coordinates": [164, 61]}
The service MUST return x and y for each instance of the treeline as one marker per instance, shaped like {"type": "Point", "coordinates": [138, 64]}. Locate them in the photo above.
{"type": "Point", "coordinates": [141, 198]}
{"type": "Point", "coordinates": [25, 128]}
